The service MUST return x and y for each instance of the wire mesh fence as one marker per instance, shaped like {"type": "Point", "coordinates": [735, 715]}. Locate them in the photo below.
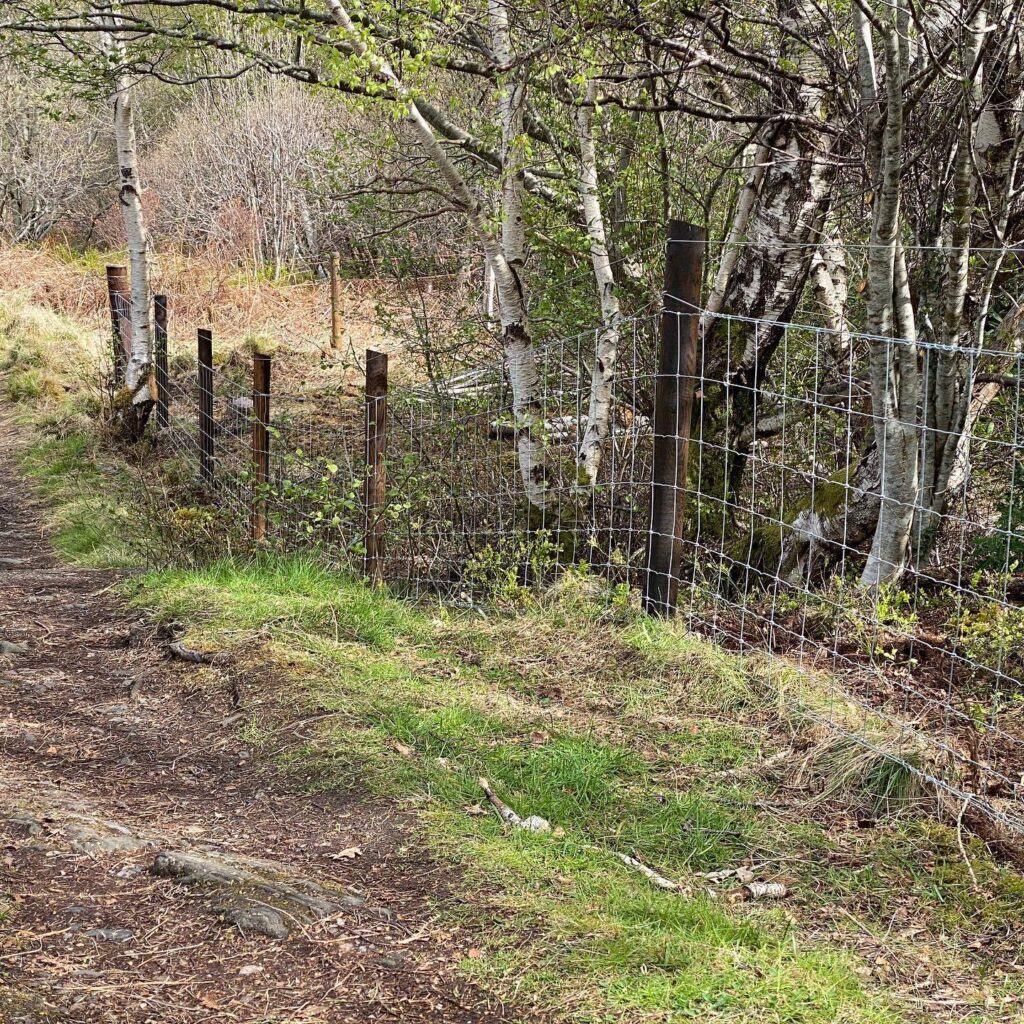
{"type": "Point", "coordinates": [793, 464]}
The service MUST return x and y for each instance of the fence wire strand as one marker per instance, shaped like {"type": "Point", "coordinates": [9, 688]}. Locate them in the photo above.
{"type": "Point", "coordinates": [790, 464]}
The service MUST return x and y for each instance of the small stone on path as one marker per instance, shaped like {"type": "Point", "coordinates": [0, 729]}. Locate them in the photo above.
{"type": "Point", "coordinates": [109, 934]}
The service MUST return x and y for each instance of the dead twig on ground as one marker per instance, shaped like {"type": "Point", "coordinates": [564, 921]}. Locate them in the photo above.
{"type": "Point", "coordinates": [183, 653]}
{"type": "Point", "coordinates": [534, 823]}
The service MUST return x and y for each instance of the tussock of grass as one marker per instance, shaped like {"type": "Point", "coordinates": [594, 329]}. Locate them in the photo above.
{"type": "Point", "coordinates": [47, 371]}
{"type": "Point", "coordinates": [292, 592]}
{"type": "Point", "coordinates": [42, 354]}
{"type": "Point", "coordinates": [88, 523]}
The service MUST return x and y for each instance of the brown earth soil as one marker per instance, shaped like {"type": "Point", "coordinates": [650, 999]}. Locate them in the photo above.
{"type": "Point", "coordinates": [111, 755]}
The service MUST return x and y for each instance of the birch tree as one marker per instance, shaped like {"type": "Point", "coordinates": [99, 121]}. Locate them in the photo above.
{"type": "Point", "coordinates": [762, 274]}
{"type": "Point", "coordinates": [133, 403]}
{"type": "Point", "coordinates": [895, 381]}
{"type": "Point", "coordinates": [606, 348]}
{"type": "Point", "coordinates": [986, 166]}
{"type": "Point", "coordinates": [504, 256]}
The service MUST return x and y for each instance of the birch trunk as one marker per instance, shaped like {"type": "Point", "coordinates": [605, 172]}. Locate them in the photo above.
{"type": "Point", "coordinates": [783, 203]}
{"type": "Point", "coordinates": [895, 384]}
{"type": "Point", "coordinates": [831, 286]}
{"type": "Point", "coordinates": [134, 402]}
{"type": "Point", "coordinates": [737, 234]}
{"type": "Point", "coordinates": [950, 370]}
{"type": "Point", "coordinates": [607, 347]}
{"type": "Point", "coordinates": [520, 354]}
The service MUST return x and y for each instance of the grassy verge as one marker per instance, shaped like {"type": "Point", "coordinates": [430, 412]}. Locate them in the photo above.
{"type": "Point", "coordinates": [629, 736]}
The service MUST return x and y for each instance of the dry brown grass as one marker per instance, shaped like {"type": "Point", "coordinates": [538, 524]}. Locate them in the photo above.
{"type": "Point", "coordinates": [294, 315]}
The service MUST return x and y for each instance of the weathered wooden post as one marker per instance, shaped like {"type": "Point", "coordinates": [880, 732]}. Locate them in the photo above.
{"type": "Point", "coordinates": [206, 428]}
{"type": "Point", "coordinates": [160, 344]}
{"type": "Point", "coordinates": [337, 326]}
{"type": "Point", "coordinates": [375, 486]}
{"type": "Point", "coordinates": [119, 294]}
{"type": "Point", "coordinates": [260, 444]}
{"type": "Point", "coordinates": [673, 410]}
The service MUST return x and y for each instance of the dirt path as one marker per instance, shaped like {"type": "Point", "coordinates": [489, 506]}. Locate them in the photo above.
{"type": "Point", "coordinates": [110, 756]}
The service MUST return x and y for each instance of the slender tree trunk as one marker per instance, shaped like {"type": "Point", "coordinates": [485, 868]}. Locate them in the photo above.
{"type": "Point", "coordinates": [831, 287]}
{"type": "Point", "coordinates": [950, 369]}
{"type": "Point", "coordinates": [895, 384]}
{"type": "Point", "coordinates": [133, 404]}
{"type": "Point", "coordinates": [607, 348]}
{"type": "Point", "coordinates": [777, 219]}
{"type": "Point", "coordinates": [737, 233]}
{"type": "Point", "coordinates": [520, 354]}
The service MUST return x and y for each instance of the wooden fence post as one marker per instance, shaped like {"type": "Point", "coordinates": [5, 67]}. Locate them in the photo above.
{"type": "Point", "coordinates": [162, 379]}
{"type": "Point", "coordinates": [205, 345]}
{"type": "Point", "coordinates": [375, 487]}
{"type": "Point", "coordinates": [337, 327]}
{"type": "Point", "coordinates": [260, 443]}
{"type": "Point", "coordinates": [673, 410]}
{"type": "Point", "coordinates": [119, 295]}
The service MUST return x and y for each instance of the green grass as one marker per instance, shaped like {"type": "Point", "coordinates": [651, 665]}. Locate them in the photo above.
{"type": "Point", "coordinates": [89, 522]}
{"type": "Point", "coordinates": [295, 592]}
{"type": "Point", "coordinates": [58, 411]}
{"type": "Point", "coordinates": [417, 704]}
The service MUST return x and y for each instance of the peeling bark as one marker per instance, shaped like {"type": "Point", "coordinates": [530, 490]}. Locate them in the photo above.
{"type": "Point", "coordinates": [763, 278]}
{"type": "Point", "coordinates": [520, 355]}
{"type": "Point", "coordinates": [607, 348]}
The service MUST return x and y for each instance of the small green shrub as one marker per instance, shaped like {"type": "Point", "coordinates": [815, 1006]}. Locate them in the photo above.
{"type": "Point", "coordinates": [992, 637]}
{"type": "Point", "coordinates": [880, 624]}
{"type": "Point", "coordinates": [506, 576]}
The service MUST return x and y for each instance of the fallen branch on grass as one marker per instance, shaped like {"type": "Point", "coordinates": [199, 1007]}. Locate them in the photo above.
{"type": "Point", "coordinates": [765, 890]}
{"type": "Point", "coordinates": [649, 873]}
{"type": "Point", "coordinates": [757, 767]}
{"type": "Point", "coordinates": [534, 823]}
{"type": "Point", "coordinates": [183, 653]}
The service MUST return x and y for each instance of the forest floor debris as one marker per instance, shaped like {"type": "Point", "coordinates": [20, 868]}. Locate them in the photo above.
{"type": "Point", "coordinates": [91, 934]}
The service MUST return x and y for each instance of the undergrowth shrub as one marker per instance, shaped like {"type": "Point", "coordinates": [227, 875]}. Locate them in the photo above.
{"type": "Point", "coordinates": [507, 575]}
{"type": "Point", "coordinates": [992, 637]}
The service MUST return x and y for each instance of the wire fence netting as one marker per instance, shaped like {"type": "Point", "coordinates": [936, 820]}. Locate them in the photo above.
{"type": "Point", "coordinates": [805, 446]}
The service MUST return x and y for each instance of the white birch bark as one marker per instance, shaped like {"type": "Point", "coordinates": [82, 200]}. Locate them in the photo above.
{"type": "Point", "coordinates": [607, 346]}
{"type": "Point", "coordinates": [737, 234]}
{"type": "Point", "coordinates": [778, 213]}
{"type": "Point", "coordinates": [520, 354]}
{"type": "Point", "coordinates": [140, 382]}
{"type": "Point", "coordinates": [763, 277]}
{"type": "Point", "coordinates": [893, 365]}
{"type": "Point", "coordinates": [831, 286]}
{"type": "Point", "coordinates": [949, 386]}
